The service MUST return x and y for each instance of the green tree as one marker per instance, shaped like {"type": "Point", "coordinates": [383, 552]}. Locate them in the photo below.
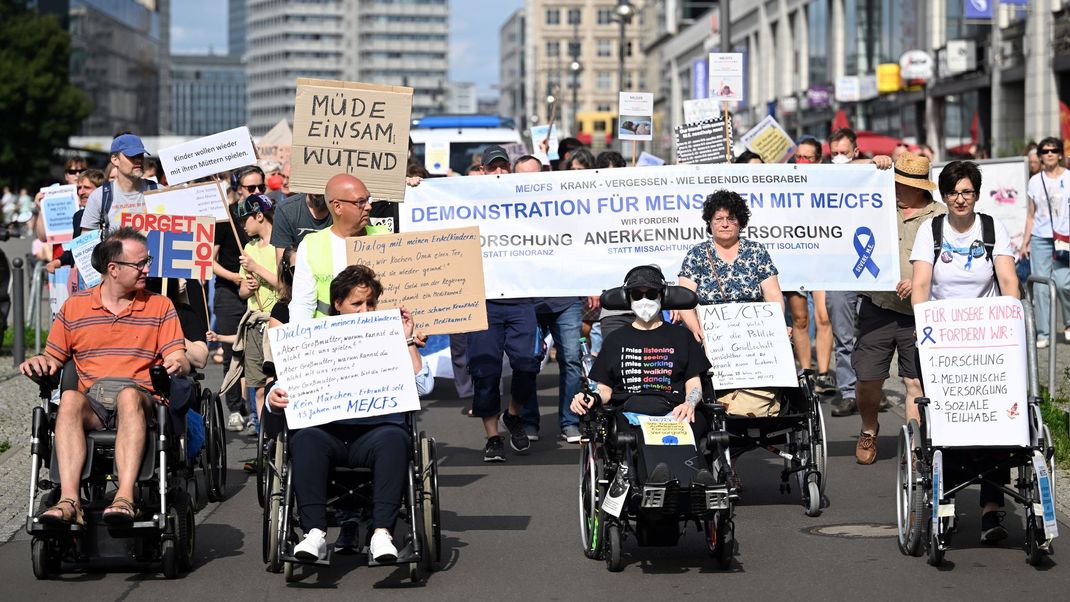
{"type": "Point", "coordinates": [39, 108]}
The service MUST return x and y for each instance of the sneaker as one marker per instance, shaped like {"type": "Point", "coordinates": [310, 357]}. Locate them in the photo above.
{"type": "Point", "coordinates": [570, 433]}
{"type": "Point", "coordinates": [704, 478]}
{"type": "Point", "coordinates": [495, 450]}
{"type": "Point", "coordinates": [846, 407]}
{"type": "Point", "coordinates": [347, 542]}
{"type": "Point", "coordinates": [518, 439]}
{"type": "Point", "coordinates": [250, 429]}
{"type": "Point", "coordinates": [992, 530]}
{"type": "Point", "coordinates": [381, 548]}
{"type": "Point", "coordinates": [312, 547]}
{"type": "Point", "coordinates": [1042, 343]}
{"type": "Point", "coordinates": [866, 448]}
{"type": "Point", "coordinates": [660, 475]}
{"type": "Point", "coordinates": [235, 423]}
{"type": "Point", "coordinates": [532, 432]}
{"type": "Point", "coordinates": [823, 383]}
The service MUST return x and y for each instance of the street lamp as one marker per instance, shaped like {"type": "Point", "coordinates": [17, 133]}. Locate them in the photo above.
{"type": "Point", "coordinates": [575, 67]}
{"type": "Point", "coordinates": [624, 14]}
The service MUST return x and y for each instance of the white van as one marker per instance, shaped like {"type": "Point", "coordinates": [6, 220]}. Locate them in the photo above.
{"type": "Point", "coordinates": [467, 136]}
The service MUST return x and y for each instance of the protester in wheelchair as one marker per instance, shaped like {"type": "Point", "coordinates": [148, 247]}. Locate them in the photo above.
{"type": "Point", "coordinates": [114, 332]}
{"type": "Point", "coordinates": [381, 443]}
{"type": "Point", "coordinates": [651, 367]}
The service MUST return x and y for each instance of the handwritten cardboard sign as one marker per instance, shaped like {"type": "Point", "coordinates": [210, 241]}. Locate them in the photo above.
{"type": "Point", "coordinates": [437, 275]}
{"type": "Point", "coordinates": [747, 344]}
{"type": "Point", "coordinates": [181, 245]}
{"type": "Point", "coordinates": [349, 127]}
{"type": "Point", "coordinates": [200, 200]}
{"type": "Point", "coordinates": [208, 155]}
{"type": "Point", "coordinates": [666, 430]}
{"type": "Point", "coordinates": [705, 141]}
{"type": "Point", "coordinates": [82, 250]}
{"type": "Point", "coordinates": [973, 370]}
{"type": "Point", "coordinates": [58, 207]}
{"type": "Point", "coordinates": [769, 141]}
{"type": "Point", "coordinates": [344, 367]}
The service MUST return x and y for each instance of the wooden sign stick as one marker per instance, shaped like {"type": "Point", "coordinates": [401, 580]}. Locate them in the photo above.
{"type": "Point", "coordinates": [237, 239]}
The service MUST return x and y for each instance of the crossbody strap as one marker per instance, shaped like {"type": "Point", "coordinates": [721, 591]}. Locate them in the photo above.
{"type": "Point", "coordinates": [713, 267]}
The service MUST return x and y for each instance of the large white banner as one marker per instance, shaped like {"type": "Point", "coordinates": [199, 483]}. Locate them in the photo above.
{"type": "Point", "coordinates": [827, 227]}
{"type": "Point", "coordinates": [1002, 195]}
{"type": "Point", "coordinates": [972, 355]}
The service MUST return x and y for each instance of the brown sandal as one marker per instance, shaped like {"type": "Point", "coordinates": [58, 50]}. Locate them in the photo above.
{"type": "Point", "coordinates": [120, 513]}
{"type": "Point", "coordinates": [69, 511]}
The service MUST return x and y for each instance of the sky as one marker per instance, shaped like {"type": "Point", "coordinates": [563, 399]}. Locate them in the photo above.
{"type": "Point", "coordinates": [200, 26]}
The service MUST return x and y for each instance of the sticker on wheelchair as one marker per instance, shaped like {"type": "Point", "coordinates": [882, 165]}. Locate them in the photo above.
{"type": "Point", "coordinates": [937, 490]}
{"type": "Point", "coordinates": [666, 430]}
{"type": "Point", "coordinates": [618, 491]}
{"type": "Point", "coordinates": [1051, 526]}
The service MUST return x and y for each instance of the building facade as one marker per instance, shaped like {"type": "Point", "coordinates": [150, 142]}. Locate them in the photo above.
{"type": "Point", "coordinates": [120, 53]}
{"type": "Point", "coordinates": [390, 42]}
{"type": "Point", "coordinates": [511, 73]}
{"type": "Point", "coordinates": [236, 27]}
{"type": "Point", "coordinates": [559, 33]}
{"type": "Point", "coordinates": [207, 94]}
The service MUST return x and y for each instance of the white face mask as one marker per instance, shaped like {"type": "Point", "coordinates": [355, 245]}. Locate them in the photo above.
{"type": "Point", "coordinates": [646, 309]}
{"type": "Point", "coordinates": [840, 159]}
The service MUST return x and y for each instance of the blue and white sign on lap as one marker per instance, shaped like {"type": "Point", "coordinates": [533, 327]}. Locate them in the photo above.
{"type": "Point", "coordinates": [827, 227]}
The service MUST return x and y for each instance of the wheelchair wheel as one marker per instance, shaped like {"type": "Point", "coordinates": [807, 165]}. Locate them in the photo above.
{"type": "Point", "coordinates": [45, 555]}
{"type": "Point", "coordinates": [261, 472]}
{"type": "Point", "coordinates": [909, 501]}
{"type": "Point", "coordinates": [812, 495]}
{"type": "Point", "coordinates": [1034, 523]}
{"type": "Point", "coordinates": [721, 538]}
{"type": "Point", "coordinates": [431, 508]}
{"type": "Point", "coordinates": [288, 572]}
{"type": "Point", "coordinates": [273, 523]}
{"type": "Point", "coordinates": [590, 499]}
{"type": "Point", "coordinates": [613, 552]}
{"type": "Point", "coordinates": [819, 448]}
{"type": "Point", "coordinates": [216, 446]}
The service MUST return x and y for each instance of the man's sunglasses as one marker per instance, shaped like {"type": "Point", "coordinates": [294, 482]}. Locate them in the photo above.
{"type": "Point", "coordinates": [1041, 151]}
{"type": "Point", "coordinates": [137, 265]}
{"type": "Point", "coordinates": [73, 172]}
{"type": "Point", "coordinates": [253, 188]}
{"type": "Point", "coordinates": [637, 294]}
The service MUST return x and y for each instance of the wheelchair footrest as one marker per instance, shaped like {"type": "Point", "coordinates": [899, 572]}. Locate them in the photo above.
{"type": "Point", "coordinates": [717, 498]}
{"type": "Point", "coordinates": [35, 527]}
{"type": "Point", "coordinates": [653, 496]}
{"type": "Point", "coordinates": [405, 556]}
{"type": "Point", "coordinates": [318, 562]}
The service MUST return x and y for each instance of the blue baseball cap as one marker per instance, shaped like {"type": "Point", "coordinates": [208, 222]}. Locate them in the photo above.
{"type": "Point", "coordinates": [129, 145]}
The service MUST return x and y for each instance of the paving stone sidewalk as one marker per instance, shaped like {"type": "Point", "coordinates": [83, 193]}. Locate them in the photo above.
{"type": "Point", "coordinates": [18, 396]}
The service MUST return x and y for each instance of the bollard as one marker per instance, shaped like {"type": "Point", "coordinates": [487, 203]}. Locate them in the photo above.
{"type": "Point", "coordinates": [18, 318]}
{"type": "Point", "coordinates": [35, 304]}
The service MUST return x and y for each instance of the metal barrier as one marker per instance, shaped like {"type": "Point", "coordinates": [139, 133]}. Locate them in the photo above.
{"type": "Point", "coordinates": [18, 310]}
{"type": "Point", "coordinates": [1034, 366]}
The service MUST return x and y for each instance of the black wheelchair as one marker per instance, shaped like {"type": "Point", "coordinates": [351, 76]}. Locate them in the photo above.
{"type": "Point", "coordinates": [616, 464]}
{"type": "Point", "coordinates": [796, 434]}
{"type": "Point", "coordinates": [168, 487]}
{"type": "Point", "coordinates": [420, 546]}
{"type": "Point", "coordinates": [929, 476]}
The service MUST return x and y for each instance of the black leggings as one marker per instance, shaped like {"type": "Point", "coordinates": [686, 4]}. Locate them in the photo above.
{"type": "Point", "coordinates": [382, 447]}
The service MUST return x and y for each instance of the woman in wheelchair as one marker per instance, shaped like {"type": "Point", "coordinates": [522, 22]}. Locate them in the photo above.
{"type": "Point", "coordinates": [651, 367]}
{"type": "Point", "coordinates": [381, 443]}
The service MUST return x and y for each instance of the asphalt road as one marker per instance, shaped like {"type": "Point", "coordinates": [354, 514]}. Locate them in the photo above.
{"type": "Point", "coordinates": [510, 532]}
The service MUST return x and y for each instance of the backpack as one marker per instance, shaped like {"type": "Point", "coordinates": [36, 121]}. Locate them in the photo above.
{"type": "Point", "coordinates": [105, 204]}
{"type": "Point", "coordinates": [988, 235]}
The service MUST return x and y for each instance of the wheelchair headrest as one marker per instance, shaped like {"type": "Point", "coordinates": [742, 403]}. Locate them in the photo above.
{"type": "Point", "coordinates": [673, 297]}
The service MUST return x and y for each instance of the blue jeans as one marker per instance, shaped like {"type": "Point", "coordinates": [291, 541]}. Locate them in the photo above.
{"type": "Point", "coordinates": [1040, 250]}
{"type": "Point", "coordinates": [842, 307]}
{"type": "Point", "coordinates": [565, 327]}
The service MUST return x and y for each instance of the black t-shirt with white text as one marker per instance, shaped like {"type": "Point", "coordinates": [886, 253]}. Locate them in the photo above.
{"type": "Point", "coordinates": [652, 362]}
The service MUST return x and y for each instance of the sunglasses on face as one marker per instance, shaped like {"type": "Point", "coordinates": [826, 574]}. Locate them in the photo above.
{"type": "Point", "coordinates": [1048, 151]}
{"type": "Point", "coordinates": [252, 188]}
{"type": "Point", "coordinates": [637, 294]}
{"type": "Point", "coordinates": [73, 172]}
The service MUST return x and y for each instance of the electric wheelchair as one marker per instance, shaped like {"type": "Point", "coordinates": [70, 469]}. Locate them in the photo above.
{"type": "Point", "coordinates": [618, 497]}
{"type": "Point", "coordinates": [168, 488]}
{"type": "Point", "coordinates": [420, 546]}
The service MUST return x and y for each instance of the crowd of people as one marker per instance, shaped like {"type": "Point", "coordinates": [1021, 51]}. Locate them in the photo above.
{"type": "Point", "coordinates": [285, 261]}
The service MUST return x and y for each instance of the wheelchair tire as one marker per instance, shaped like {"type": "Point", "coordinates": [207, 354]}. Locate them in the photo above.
{"type": "Point", "coordinates": [45, 555]}
{"type": "Point", "coordinates": [591, 523]}
{"type": "Point", "coordinates": [216, 445]}
{"type": "Point", "coordinates": [812, 499]}
{"type": "Point", "coordinates": [261, 486]}
{"type": "Point", "coordinates": [613, 552]}
{"type": "Point", "coordinates": [169, 558]}
{"type": "Point", "coordinates": [819, 449]}
{"type": "Point", "coordinates": [935, 556]}
{"type": "Point", "coordinates": [185, 531]}
{"type": "Point", "coordinates": [432, 525]}
{"type": "Point", "coordinates": [1034, 525]}
{"type": "Point", "coordinates": [910, 500]}
{"type": "Point", "coordinates": [288, 569]}
{"type": "Point", "coordinates": [273, 513]}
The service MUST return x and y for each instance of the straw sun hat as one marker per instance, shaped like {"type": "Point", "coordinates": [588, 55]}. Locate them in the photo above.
{"type": "Point", "coordinates": [913, 170]}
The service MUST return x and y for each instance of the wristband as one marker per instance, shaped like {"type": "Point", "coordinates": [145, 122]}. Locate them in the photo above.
{"type": "Point", "coordinates": [411, 341]}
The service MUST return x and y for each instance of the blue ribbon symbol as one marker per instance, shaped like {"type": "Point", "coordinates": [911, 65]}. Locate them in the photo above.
{"type": "Point", "coordinates": [865, 252]}
{"type": "Point", "coordinates": [927, 335]}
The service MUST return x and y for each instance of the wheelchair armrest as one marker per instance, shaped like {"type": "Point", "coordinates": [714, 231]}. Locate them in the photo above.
{"type": "Point", "coordinates": [46, 384]}
{"type": "Point", "coordinates": [197, 376]}
{"type": "Point", "coordinates": [161, 381]}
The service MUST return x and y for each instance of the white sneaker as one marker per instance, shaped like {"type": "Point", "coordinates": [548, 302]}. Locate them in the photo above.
{"type": "Point", "coordinates": [382, 548]}
{"type": "Point", "coordinates": [235, 423]}
{"type": "Point", "coordinates": [1042, 343]}
{"type": "Point", "coordinates": [313, 546]}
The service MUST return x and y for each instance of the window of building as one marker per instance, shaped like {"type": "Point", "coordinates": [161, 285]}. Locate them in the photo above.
{"type": "Point", "coordinates": [817, 17]}
{"type": "Point", "coordinates": [553, 16]}
{"type": "Point", "coordinates": [603, 80]}
{"type": "Point", "coordinates": [574, 15]}
{"type": "Point", "coordinates": [628, 49]}
{"type": "Point", "coordinates": [605, 48]}
{"type": "Point", "coordinates": [575, 49]}
{"type": "Point", "coordinates": [605, 16]}
{"type": "Point", "coordinates": [603, 108]}
{"type": "Point", "coordinates": [553, 48]}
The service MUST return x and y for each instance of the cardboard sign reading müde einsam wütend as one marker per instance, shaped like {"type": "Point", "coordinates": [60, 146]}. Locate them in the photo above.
{"type": "Point", "coordinates": [349, 127]}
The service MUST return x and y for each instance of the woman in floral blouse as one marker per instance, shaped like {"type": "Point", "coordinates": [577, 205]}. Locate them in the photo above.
{"type": "Point", "coordinates": [726, 268]}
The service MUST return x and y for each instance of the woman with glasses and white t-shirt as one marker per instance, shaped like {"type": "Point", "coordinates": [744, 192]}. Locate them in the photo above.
{"type": "Point", "coordinates": [1047, 230]}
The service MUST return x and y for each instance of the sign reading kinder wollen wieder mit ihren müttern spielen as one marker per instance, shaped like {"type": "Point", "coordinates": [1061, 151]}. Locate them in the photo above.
{"type": "Point", "coordinates": [827, 227]}
{"type": "Point", "coordinates": [208, 155]}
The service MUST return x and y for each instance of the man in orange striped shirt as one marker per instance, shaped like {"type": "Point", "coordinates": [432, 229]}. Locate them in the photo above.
{"type": "Point", "coordinates": [114, 330]}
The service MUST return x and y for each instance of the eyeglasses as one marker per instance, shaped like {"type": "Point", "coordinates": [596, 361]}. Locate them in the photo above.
{"type": "Point", "coordinates": [137, 265]}
{"type": "Point", "coordinates": [725, 220]}
{"type": "Point", "coordinates": [73, 172]}
{"type": "Point", "coordinates": [637, 294]}
{"type": "Point", "coordinates": [966, 195]}
{"type": "Point", "coordinates": [1047, 151]}
{"type": "Point", "coordinates": [357, 203]}
{"type": "Point", "coordinates": [253, 188]}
